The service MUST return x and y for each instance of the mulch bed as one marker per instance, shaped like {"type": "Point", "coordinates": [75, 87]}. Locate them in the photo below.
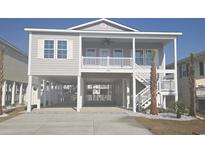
{"type": "Point", "coordinates": [12, 113]}
{"type": "Point", "coordinates": [170, 127]}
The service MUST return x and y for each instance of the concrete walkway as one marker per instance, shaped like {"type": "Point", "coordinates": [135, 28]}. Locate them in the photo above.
{"type": "Point", "coordinates": [95, 120]}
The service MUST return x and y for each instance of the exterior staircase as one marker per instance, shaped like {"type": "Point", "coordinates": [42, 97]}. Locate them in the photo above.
{"type": "Point", "coordinates": [143, 98]}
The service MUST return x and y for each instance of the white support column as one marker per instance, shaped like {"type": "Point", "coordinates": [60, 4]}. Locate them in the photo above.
{"type": "Point", "coordinates": [4, 88]}
{"type": "Point", "coordinates": [44, 93]}
{"type": "Point", "coordinates": [133, 52]}
{"type": "Point", "coordinates": [175, 68]}
{"type": "Point", "coordinates": [123, 93]}
{"type": "Point", "coordinates": [29, 93]}
{"type": "Point", "coordinates": [134, 92]}
{"type": "Point", "coordinates": [78, 93]}
{"type": "Point", "coordinates": [39, 94]}
{"type": "Point", "coordinates": [164, 60]}
{"type": "Point", "coordinates": [164, 102]}
{"type": "Point", "coordinates": [49, 93]}
{"type": "Point", "coordinates": [128, 93]}
{"type": "Point", "coordinates": [20, 93]}
{"type": "Point", "coordinates": [13, 93]}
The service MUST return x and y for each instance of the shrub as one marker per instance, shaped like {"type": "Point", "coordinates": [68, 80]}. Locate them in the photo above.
{"type": "Point", "coordinates": [180, 109]}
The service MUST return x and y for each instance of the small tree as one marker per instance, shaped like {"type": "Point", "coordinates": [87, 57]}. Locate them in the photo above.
{"type": "Point", "coordinates": [192, 111]}
{"type": "Point", "coordinates": [1, 77]}
{"type": "Point", "coordinates": [153, 86]}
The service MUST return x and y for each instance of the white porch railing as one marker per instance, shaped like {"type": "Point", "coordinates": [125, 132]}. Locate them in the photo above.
{"type": "Point", "coordinates": [200, 92]}
{"type": "Point", "coordinates": [167, 85]}
{"type": "Point", "coordinates": [107, 62]}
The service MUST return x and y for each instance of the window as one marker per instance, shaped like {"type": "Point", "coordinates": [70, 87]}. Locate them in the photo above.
{"type": "Point", "coordinates": [62, 49]}
{"type": "Point", "coordinates": [49, 49]}
{"type": "Point", "coordinates": [90, 52]}
{"type": "Point", "coordinates": [139, 57]}
{"type": "Point", "coordinates": [148, 57]}
{"type": "Point", "coordinates": [201, 68]}
{"type": "Point", "coordinates": [118, 53]}
{"type": "Point", "coordinates": [117, 61]}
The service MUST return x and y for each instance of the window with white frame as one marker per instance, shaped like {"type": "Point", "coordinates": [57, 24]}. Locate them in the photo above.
{"type": "Point", "coordinates": [48, 48]}
{"type": "Point", "coordinates": [62, 49]}
{"type": "Point", "coordinates": [139, 56]}
{"type": "Point", "coordinates": [148, 56]}
{"type": "Point", "coordinates": [90, 52]}
{"type": "Point", "coordinates": [117, 53]}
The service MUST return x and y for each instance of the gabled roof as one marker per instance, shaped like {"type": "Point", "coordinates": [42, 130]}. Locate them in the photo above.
{"type": "Point", "coordinates": [89, 24]}
{"type": "Point", "coordinates": [183, 60]}
{"type": "Point", "coordinates": [8, 44]}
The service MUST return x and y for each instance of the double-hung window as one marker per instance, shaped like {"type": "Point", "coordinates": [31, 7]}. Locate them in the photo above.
{"type": "Point", "coordinates": [139, 57]}
{"type": "Point", "coordinates": [62, 49]}
{"type": "Point", "coordinates": [49, 49]}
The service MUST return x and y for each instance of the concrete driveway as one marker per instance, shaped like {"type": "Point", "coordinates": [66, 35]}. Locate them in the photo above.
{"type": "Point", "coordinates": [57, 121]}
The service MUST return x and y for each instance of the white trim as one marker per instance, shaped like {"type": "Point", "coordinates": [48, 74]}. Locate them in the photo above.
{"type": "Point", "coordinates": [80, 55]}
{"type": "Point", "coordinates": [105, 20]}
{"type": "Point", "coordinates": [54, 48]}
{"type": "Point", "coordinates": [101, 32]}
{"type": "Point", "coordinates": [29, 54]}
{"type": "Point", "coordinates": [67, 51]}
{"type": "Point", "coordinates": [55, 54]}
{"type": "Point", "coordinates": [175, 68]}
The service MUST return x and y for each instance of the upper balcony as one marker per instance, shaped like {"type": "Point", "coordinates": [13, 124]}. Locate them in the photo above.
{"type": "Point", "coordinates": [113, 53]}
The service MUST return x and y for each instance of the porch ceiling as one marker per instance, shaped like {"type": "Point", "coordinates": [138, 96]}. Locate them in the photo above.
{"type": "Point", "coordinates": [126, 40]}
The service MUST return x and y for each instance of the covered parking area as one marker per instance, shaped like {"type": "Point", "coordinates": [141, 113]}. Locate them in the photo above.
{"type": "Point", "coordinates": [95, 90]}
{"type": "Point", "coordinates": [106, 89]}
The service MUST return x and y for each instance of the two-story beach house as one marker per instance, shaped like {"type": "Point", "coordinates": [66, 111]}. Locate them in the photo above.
{"type": "Point", "coordinates": [184, 81]}
{"type": "Point", "coordinates": [99, 63]}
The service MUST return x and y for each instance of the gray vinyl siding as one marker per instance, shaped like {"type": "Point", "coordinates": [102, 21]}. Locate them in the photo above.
{"type": "Point", "coordinates": [15, 66]}
{"type": "Point", "coordinates": [40, 66]}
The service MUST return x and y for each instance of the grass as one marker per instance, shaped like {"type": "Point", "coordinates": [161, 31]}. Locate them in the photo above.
{"type": "Point", "coordinates": [12, 114]}
{"type": "Point", "coordinates": [170, 127]}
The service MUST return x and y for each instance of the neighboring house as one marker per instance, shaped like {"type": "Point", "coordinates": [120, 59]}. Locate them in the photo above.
{"type": "Point", "coordinates": [183, 80]}
{"type": "Point", "coordinates": [101, 63]}
{"type": "Point", "coordinates": [15, 64]}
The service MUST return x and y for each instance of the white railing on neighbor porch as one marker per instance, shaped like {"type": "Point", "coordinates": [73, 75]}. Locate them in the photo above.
{"type": "Point", "coordinates": [200, 92]}
{"type": "Point", "coordinates": [106, 62]}
{"type": "Point", "coordinates": [167, 85]}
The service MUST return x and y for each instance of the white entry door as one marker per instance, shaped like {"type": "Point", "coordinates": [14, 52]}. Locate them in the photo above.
{"type": "Point", "coordinates": [104, 53]}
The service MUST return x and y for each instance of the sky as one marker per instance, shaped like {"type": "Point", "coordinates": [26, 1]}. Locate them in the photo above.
{"type": "Point", "coordinates": [192, 40]}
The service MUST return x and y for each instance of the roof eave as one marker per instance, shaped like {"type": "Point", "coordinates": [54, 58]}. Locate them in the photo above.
{"type": "Point", "coordinates": [102, 32]}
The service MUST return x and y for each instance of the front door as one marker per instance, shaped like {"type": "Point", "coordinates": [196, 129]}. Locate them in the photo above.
{"type": "Point", "coordinates": [104, 53]}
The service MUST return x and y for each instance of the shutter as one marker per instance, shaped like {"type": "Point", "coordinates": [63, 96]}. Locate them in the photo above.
{"type": "Point", "coordinates": [201, 68]}
{"type": "Point", "coordinates": [70, 49]}
{"type": "Point", "coordinates": [40, 53]}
